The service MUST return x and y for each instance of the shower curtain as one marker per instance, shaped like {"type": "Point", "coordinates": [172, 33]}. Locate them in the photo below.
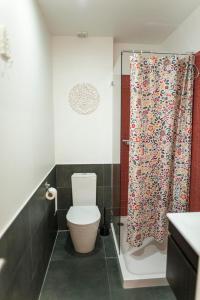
{"type": "Point", "coordinates": [160, 143]}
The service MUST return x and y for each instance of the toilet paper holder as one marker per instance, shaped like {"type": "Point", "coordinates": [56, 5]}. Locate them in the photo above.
{"type": "Point", "coordinates": [47, 185]}
{"type": "Point", "coordinates": [51, 194]}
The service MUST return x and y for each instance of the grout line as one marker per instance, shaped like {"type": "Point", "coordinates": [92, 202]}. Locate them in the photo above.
{"type": "Point", "coordinates": [112, 238]}
{"type": "Point", "coordinates": [47, 269]}
{"type": "Point", "coordinates": [109, 285]}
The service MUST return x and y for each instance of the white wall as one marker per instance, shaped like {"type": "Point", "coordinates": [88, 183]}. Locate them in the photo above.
{"type": "Point", "coordinates": [26, 116]}
{"type": "Point", "coordinates": [186, 37]}
{"type": "Point", "coordinates": [82, 139]}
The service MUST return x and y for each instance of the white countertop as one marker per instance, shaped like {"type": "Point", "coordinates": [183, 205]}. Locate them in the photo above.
{"type": "Point", "coordinates": [188, 224]}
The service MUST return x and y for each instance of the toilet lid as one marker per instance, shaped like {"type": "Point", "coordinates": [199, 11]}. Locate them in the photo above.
{"type": "Point", "coordinates": [83, 215]}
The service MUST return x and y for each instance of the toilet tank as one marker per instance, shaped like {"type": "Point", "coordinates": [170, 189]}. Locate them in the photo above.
{"type": "Point", "coordinates": [84, 188]}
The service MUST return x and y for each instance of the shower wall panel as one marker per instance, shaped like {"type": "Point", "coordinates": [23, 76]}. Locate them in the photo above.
{"type": "Point", "coordinates": [125, 123]}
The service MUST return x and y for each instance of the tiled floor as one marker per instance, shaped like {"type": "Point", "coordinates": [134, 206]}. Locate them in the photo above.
{"type": "Point", "coordinates": [94, 277]}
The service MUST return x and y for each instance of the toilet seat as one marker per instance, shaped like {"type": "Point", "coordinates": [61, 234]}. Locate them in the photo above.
{"type": "Point", "coordinates": [83, 215]}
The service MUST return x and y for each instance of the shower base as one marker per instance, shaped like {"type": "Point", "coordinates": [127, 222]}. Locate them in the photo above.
{"type": "Point", "coordinates": [144, 266]}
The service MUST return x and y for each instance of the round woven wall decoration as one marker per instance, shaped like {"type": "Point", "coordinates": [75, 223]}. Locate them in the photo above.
{"type": "Point", "coordinates": [84, 98]}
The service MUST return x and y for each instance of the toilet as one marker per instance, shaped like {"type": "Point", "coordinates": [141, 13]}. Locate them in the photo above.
{"type": "Point", "coordinates": [84, 216]}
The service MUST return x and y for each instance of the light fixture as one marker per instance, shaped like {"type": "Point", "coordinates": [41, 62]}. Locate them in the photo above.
{"type": "Point", "coordinates": [4, 44]}
{"type": "Point", "coordinates": [82, 34]}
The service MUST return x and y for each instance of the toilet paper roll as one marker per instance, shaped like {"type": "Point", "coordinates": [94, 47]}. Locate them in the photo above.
{"type": "Point", "coordinates": [51, 194]}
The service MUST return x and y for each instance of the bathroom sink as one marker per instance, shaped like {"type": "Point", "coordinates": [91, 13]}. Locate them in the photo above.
{"type": "Point", "coordinates": [188, 224]}
{"type": "Point", "coordinates": [192, 220]}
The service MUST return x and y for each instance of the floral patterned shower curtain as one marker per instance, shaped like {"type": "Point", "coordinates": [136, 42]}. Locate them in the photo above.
{"type": "Point", "coordinates": [160, 143]}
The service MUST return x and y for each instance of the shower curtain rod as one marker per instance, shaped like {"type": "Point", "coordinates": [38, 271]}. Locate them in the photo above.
{"type": "Point", "coordinates": [154, 52]}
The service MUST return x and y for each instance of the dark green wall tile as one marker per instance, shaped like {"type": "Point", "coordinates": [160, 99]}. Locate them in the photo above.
{"type": "Point", "coordinates": [108, 203]}
{"type": "Point", "coordinates": [64, 198]}
{"type": "Point", "coordinates": [61, 217]}
{"type": "Point", "coordinates": [107, 175]}
{"type": "Point", "coordinates": [20, 282]}
{"type": "Point", "coordinates": [26, 246]}
{"type": "Point", "coordinates": [39, 204]}
{"type": "Point", "coordinates": [18, 237]}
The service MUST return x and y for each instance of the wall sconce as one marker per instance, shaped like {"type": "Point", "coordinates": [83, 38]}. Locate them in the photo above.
{"type": "Point", "coordinates": [4, 44]}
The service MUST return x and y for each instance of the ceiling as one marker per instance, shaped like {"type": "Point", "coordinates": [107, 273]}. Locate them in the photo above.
{"type": "Point", "coordinates": [131, 21]}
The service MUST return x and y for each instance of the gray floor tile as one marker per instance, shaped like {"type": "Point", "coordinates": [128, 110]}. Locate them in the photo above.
{"type": "Point", "coordinates": [163, 293]}
{"type": "Point", "coordinates": [109, 246]}
{"type": "Point", "coordinates": [117, 292]}
{"type": "Point", "coordinates": [75, 279]}
{"type": "Point", "coordinates": [59, 249]}
{"type": "Point", "coordinates": [61, 254]}
{"type": "Point", "coordinates": [92, 277]}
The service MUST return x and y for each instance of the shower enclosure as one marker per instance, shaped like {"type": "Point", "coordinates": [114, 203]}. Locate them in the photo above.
{"type": "Point", "coordinates": [144, 265]}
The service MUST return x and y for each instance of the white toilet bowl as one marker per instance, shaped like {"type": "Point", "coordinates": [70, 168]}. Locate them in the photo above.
{"type": "Point", "coordinates": [83, 223]}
